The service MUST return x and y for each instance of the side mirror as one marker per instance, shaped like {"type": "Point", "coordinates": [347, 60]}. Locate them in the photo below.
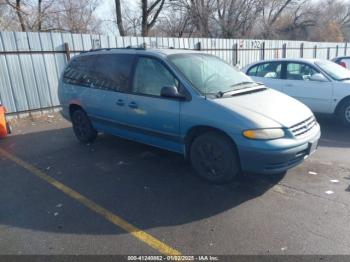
{"type": "Point", "coordinates": [171, 92]}
{"type": "Point", "coordinates": [318, 77]}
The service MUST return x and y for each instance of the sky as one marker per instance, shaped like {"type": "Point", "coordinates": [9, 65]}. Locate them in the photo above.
{"type": "Point", "coordinates": [106, 11]}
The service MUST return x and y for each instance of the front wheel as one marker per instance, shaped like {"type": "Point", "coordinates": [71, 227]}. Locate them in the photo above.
{"type": "Point", "coordinates": [214, 158]}
{"type": "Point", "coordinates": [82, 127]}
{"type": "Point", "coordinates": [344, 113]}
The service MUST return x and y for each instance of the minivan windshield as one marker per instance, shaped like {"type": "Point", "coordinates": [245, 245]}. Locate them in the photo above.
{"type": "Point", "coordinates": [334, 70]}
{"type": "Point", "coordinates": [209, 74]}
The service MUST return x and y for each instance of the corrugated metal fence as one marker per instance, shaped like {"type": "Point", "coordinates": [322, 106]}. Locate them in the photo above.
{"type": "Point", "coordinates": [31, 63]}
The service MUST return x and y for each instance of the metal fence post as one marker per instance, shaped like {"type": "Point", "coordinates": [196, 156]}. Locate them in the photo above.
{"type": "Point", "coordinates": [336, 50]}
{"type": "Point", "coordinates": [345, 47]}
{"type": "Point", "coordinates": [284, 50]}
{"type": "Point", "coordinates": [198, 46]}
{"type": "Point", "coordinates": [301, 50]}
{"type": "Point", "coordinates": [262, 51]}
{"type": "Point", "coordinates": [235, 54]}
{"type": "Point", "coordinates": [315, 51]}
{"type": "Point", "coordinates": [328, 52]}
{"type": "Point", "coordinates": [67, 51]}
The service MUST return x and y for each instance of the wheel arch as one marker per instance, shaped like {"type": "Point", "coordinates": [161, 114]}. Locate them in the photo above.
{"type": "Point", "coordinates": [73, 107]}
{"type": "Point", "coordinates": [196, 131]}
{"type": "Point", "coordinates": [341, 103]}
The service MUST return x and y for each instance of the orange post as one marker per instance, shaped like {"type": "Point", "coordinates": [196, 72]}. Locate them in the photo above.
{"type": "Point", "coordinates": [3, 124]}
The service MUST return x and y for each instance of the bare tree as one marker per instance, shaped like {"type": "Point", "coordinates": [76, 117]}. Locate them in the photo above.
{"type": "Point", "coordinates": [236, 18]}
{"type": "Point", "coordinates": [200, 13]}
{"type": "Point", "coordinates": [17, 6]}
{"type": "Point", "coordinates": [150, 13]}
{"type": "Point", "coordinates": [47, 15]}
{"type": "Point", "coordinates": [6, 17]}
{"type": "Point", "coordinates": [119, 18]}
{"type": "Point", "coordinates": [271, 12]}
{"type": "Point", "coordinates": [40, 15]}
{"type": "Point", "coordinates": [143, 18]}
{"type": "Point", "coordinates": [322, 20]}
{"type": "Point", "coordinates": [76, 16]}
{"type": "Point", "coordinates": [132, 20]}
{"type": "Point", "coordinates": [174, 23]}
{"type": "Point", "coordinates": [37, 20]}
{"type": "Point", "coordinates": [297, 23]}
{"type": "Point", "coordinates": [333, 19]}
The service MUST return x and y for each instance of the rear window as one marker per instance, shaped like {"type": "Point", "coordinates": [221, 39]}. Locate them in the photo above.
{"type": "Point", "coordinates": [106, 71]}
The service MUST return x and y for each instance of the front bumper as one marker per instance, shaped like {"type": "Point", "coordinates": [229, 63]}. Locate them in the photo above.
{"type": "Point", "coordinates": [272, 161]}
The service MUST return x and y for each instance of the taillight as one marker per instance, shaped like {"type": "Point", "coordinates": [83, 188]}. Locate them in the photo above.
{"type": "Point", "coordinates": [342, 64]}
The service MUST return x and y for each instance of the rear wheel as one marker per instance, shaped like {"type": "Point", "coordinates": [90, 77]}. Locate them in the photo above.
{"type": "Point", "coordinates": [214, 157]}
{"type": "Point", "coordinates": [344, 113]}
{"type": "Point", "coordinates": [82, 127]}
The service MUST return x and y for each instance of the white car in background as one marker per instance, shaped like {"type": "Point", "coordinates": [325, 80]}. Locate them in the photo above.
{"type": "Point", "coordinates": [322, 85]}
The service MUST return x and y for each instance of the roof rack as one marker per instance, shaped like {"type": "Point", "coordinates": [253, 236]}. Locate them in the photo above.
{"type": "Point", "coordinates": [142, 46]}
{"type": "Point", "coordinates": [114, 48]}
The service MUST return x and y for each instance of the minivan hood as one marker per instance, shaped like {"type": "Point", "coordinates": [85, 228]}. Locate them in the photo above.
{"type": "Point", "coordinates": [267, 107]}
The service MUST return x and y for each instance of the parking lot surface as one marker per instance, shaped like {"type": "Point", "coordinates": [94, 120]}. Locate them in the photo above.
{"type": "Point", "coordinates": [119, 197]}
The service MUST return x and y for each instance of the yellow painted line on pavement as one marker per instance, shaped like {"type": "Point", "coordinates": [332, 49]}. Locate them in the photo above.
{"type": "Point", "coordinates": [116, 220]}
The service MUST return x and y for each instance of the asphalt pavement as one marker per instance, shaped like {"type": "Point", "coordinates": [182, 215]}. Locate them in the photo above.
{"type": "Point", "coordinates": [119, 197]}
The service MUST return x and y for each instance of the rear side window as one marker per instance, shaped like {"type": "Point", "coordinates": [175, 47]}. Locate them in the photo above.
{"type": "Point", "coordinates": [267, 70]}
{"type": "Point", "coordinates": [112, 72]}
{"type": "Point", "coordinates": [78, 72]}
{"type": "Point", "coordinates": [106, 71]}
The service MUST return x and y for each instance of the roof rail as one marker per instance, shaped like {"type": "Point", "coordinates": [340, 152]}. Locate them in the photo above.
{"type": "Point", "coordinates": [143, 46]}
{"type": "Point", "coordinates": [113, 48]}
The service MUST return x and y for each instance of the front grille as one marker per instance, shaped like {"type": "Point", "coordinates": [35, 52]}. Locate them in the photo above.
{"type": "Point", "coordinates": [303, 127]}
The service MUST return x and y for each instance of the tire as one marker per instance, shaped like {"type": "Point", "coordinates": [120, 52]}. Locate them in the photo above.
{"type": "Point", "coordinates": [82, 127]}
{"type": "Point", "coordinates": [344, 113]}
{"type": "Point", "coordinates": [214, 158]}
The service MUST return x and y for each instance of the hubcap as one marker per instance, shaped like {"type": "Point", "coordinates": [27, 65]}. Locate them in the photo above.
{"type": "Point", "coordinates": [211, 159]}
{"type": "Point", "coordinates": [347, 114]}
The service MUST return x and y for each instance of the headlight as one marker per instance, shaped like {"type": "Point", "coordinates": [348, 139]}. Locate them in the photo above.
{"type": "Point", "coordinates": [264, 134]}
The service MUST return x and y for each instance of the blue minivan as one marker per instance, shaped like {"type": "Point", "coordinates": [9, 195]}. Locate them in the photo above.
{"type": "Point", "coordinates": [190, 103]}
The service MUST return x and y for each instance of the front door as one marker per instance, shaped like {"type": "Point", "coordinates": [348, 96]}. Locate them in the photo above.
{"type": "Point", "coordinates": [153, 118]}
{"type": "Point", "coordinates": [298, 84]}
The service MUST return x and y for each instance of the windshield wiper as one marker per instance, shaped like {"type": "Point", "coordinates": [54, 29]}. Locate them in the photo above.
{"type": "Point", "coordinates": [243, 83]}
{"type": "Point", "coordinates": [343, 79]}
{"type": "Point", "coordinates": [249, 91]}
{"type": "Point", "coordinates": [222, 93]}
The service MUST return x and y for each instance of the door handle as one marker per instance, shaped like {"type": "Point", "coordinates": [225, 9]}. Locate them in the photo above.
{"type": "Point", "coordinates": [289, 85]}
{"type": "Point", "coordinates": [120, 102]}
{"type": "Point", "coordinates": [133, 104]}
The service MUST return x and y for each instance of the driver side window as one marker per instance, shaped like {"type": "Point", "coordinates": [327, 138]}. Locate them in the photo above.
{"type": "Point", "coordinates": [151, 76]}
{"type": "Point", "coordinates": [299, 71]}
